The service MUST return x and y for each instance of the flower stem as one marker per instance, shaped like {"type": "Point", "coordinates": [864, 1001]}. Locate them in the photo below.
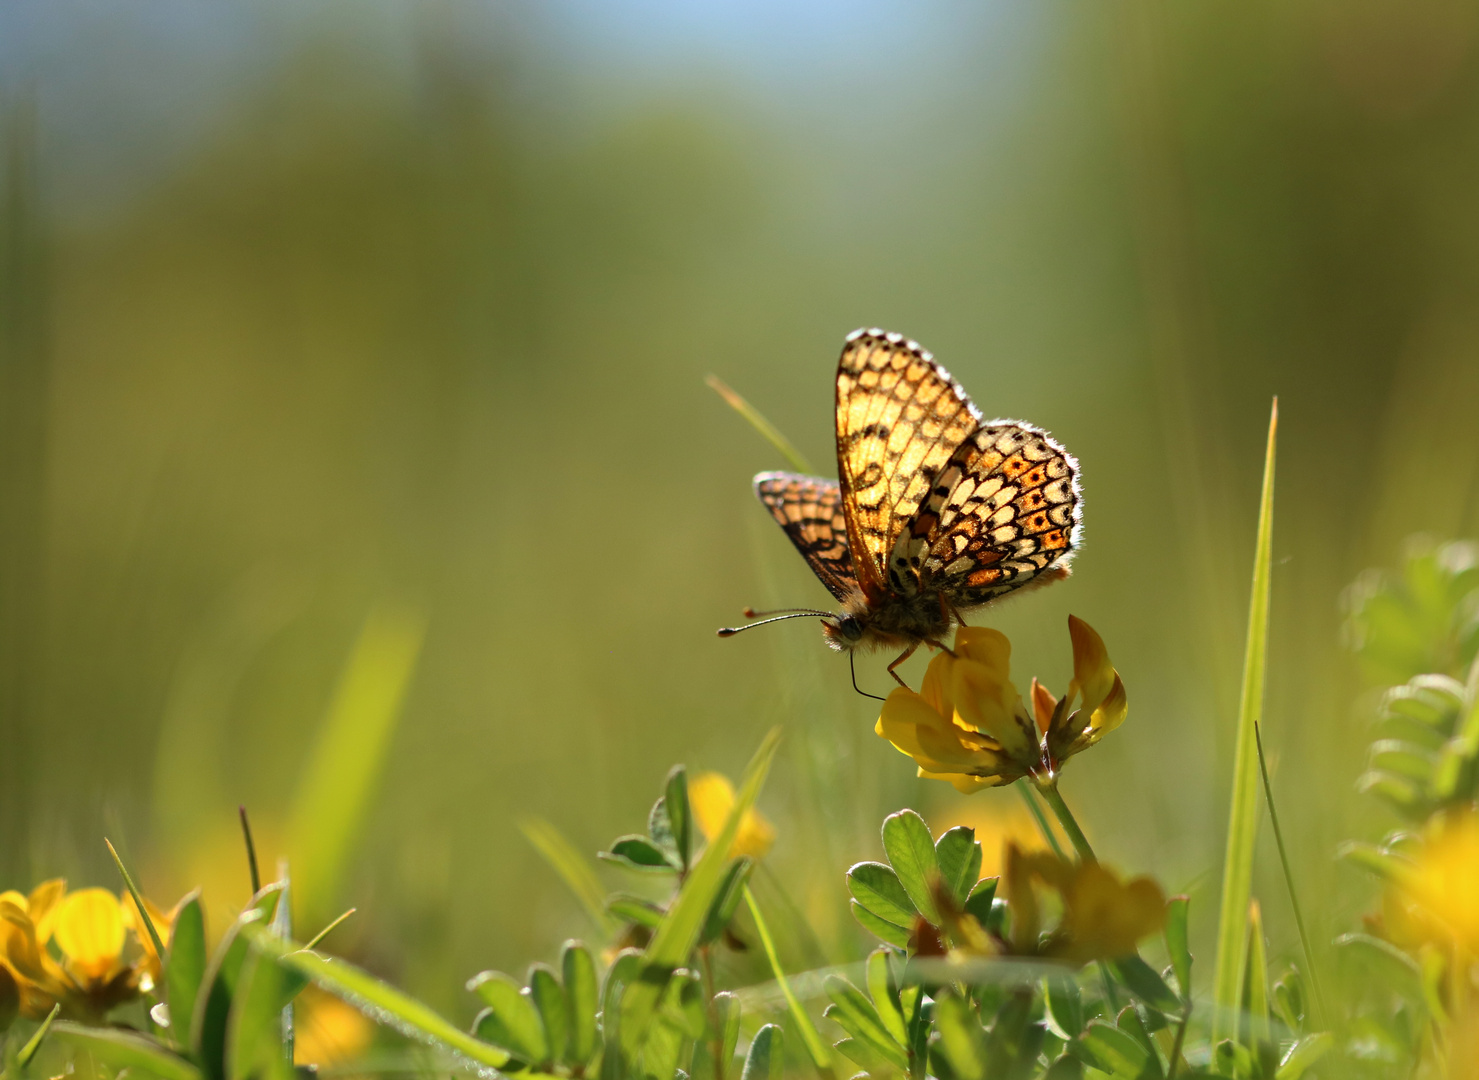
{"type": "Point", "coordinates": [1041, 819]}
{"type": "Point", "coordinates": [1048, 789]}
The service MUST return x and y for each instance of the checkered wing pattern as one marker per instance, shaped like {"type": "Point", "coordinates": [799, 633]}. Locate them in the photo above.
{"type": "Point", "coordinates": [809, 509]}
{"type": "Point", "coordinates": [1002, 511]}
{"type": "Point", "coordinates": [900, 420]}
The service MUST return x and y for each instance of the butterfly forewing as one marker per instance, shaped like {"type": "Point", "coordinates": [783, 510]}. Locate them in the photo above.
{"type": "Point", "coordinates": [900, 418]}
{"type": "Point", "coordinates": [1004, 509]}
{"type": "Point", "coordinates": [809, 509]}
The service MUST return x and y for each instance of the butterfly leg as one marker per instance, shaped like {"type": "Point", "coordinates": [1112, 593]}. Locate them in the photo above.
{"type": "Point", "coordinates": [899, 660]}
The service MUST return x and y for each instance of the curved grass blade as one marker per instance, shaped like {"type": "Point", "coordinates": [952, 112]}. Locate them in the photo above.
{"type": "Point", "coordinates": [125, 1050]}
{"type": "Point", "coordinates": [821, 1057]}
{"type": "Point", "coordinates": [1242, 829]}
{"type": "Point", "coordinates": [767, 430]}
{"type": "Point", "coordinates": [567, 861]}
{"type": "Point", "coordinates": [380, 1001]}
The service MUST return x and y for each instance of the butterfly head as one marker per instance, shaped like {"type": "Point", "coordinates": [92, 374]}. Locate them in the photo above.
{"type": "Point", "coordinates": [844, 632]}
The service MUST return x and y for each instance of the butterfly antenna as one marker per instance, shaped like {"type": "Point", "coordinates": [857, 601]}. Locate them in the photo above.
{"type": "Point", "coordinates": [751, 613]}
{"type": "Point", "coordinates": [852, 666]}
{"type": "Point", "coordinates": [789, 613]}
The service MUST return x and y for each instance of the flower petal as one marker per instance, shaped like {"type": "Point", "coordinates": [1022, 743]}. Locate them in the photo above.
{"type": "Point", "coordinates": [1093, 676]}
{"type": "Point", "coordinates": [986, 701]}
{"type": "Point", "coordinates": [89, 931]}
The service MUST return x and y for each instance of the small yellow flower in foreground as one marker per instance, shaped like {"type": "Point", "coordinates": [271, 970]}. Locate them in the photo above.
{"type": "Point", "coordinates": [711, 796]}
{"type": "Point", "coordinates": [969, 725]}
{"type": "Point", "coordinates": [90, 930]}
{"type": "Point", "coordinates": [1103, 918]}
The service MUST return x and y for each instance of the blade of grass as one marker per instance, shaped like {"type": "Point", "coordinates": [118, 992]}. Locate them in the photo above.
{"type": "Point", "coordinates": [33, 1044]}
{"type": "Point", "coordinates": [1304, 938]}
{"type": "Point", "coordinates": [251, 849]}
{"type": "Point", "coordinates": [125, 1050]}
{"type": "Point", "coordinates": [675, 938]}
{"type": "Point", "coordinates": [821, 1057]}
{"type": "Point", "coordinates": [138, 900]}
{"type": "Point", "coordinates": [767, 430]}
{"type": "Point", "coordinates": [316, 938]}
{"type": "Point", "coordinates": [567, 861]}
{"type": "Point", "coordinates": [1242, 828]}
{"type": "Point", "coordinates": [337, 782]}
{"type": "Point", "coordinates": [381, 1002]}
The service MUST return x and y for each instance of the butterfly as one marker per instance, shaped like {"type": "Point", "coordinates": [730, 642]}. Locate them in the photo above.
{"type": "Point", "coordinates": [935, 511]}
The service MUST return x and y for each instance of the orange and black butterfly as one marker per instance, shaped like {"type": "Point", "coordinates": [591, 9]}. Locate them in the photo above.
{"type": "Point", "coordinates": [934, 512]}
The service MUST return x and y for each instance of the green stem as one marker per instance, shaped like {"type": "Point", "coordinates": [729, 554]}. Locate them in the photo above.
{"type": "Point", "coordinates": [1304, 938]}
{"type": "Point", "coordinates": [1048, 789]}
{"type": "Point", "coordinates": [1042, 820]}
{"type": "Point", "coordinates": [821, 1057]}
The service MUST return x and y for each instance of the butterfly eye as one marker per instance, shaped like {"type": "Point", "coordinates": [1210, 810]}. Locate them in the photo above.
{"type": "Point", "coordinates": [850, 628]}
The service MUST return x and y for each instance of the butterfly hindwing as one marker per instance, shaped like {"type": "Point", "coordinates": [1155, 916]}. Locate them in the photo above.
{"type": "Point", "coordinates": [1004, 510]}
{"type": "Point", "coordinates": [809, 509]}
{"type": "Point", "coordinates": [900, 418]}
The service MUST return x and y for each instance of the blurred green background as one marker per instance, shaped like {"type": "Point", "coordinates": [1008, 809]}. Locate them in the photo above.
{"type": "Point", "coordinates": [352, 367]}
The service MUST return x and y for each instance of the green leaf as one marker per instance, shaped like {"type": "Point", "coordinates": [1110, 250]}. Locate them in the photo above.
{"type": "Point", "coordinates": [727, 1016]}
{"type": "Point", "coordinates": [184, 966]}
{"type": "Point", "coordinates": [880, 928]}
{"type": "Point", "coordinates": [680, 815]}
{"type": "Point", "coordinates": [581, 992]}
{"type": "Point", "coordinates": [856, 1015]}
{"type": "Point", "coordinates": [573, 868]}
{"type": "Point", "coordinates": [726, 902]}
{"type": "Point", "coordinates": [1387, 865]}
{"type": "Point", "coordinates": [660, 831]}
{"type": "Point", "coordinates": [978, 903]}
{"type": "Point", "coordinates": [911, 853]}
{"type": "Point", "coordinates": [861, 1053]}
{"type": "Point", "coordinates": [255, 1045]}
{"type": "Point", "coordinates": [1130, 1023]}
{"type": "Point", "coordinates": [878, 889]}
{"type": "Point", "coordinates": [1385, 964]}
{"type": "Point", "coordinates": [1237, 866]}
{"type": "Point", "coordinates": [885, 995]}
{"type": "Point", "coordinates": [510, 1021]}
{"type": "Point", "coordinates": [765, 1061]}
{"type": "Point", "coordinates": [1144, 982]}
{"type": "Point", "coordinates": [622, 972]}
{"type": "Point", "coordinates": [381, 1002]}
{"type": "Point", "coordinates": [1065, 1068]}
{"type": "Point", "coordinates": [683, 1005]}
{"type": "Point", "coordinates": [675, 938]}
{"type": "Point", "coordinates": [635, 909]}
{"type": "Point", "coordinates": [1113, 1051]}
{"type": "Point", "coordinates": [1178, 942]}
{"type": "Point", "coordinates": [639, 853]}
{"type": "Point", "coordinates": [1255, 979]}
{"type": "Point", "coordinates": [959, 858]}
{"type": "Point", "coordinates": [1065, 1006]}
{"type": "Point", "coordinates": [554, 1010]}
{"type": "Point", "coordinates": [1303, 1054]}
{"type": "Point", "coordinates": [1013, 1042]}
{"type": "Point", "coordinates": [121, 1050]}
{"type": "Point", "coordinates": [213, 1001]}
{"type": "Point", "coordinates": [961, 1041]}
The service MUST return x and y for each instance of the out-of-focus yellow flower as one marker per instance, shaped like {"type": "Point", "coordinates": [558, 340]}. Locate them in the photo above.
{"type": "Point", "coordinates": [89, 929]}
{"type": "Point", "coordinates": [1439, 899]}
{"type": "Point", "coordinates": [995, 821]}
{"type": "Point", "coordinates": [326, 1031]}
{"type": "Point", "coordinates": [968, 724]}
{"type": "Point", "coordinates": [711, 796]}
{"type": "Point", "coordinates": [1103, 918]}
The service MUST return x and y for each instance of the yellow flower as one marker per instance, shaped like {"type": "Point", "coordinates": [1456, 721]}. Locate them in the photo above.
{"type": "Point", "coordinates": [89, 930]}
{"type": "Point", "coordinates": [327, 1031]}
{"type": "Point", "coordinates": [968, 724]}
{"type": "Point", "coordinates": [711, 796]}
{"type": "Point", "coordinates": [1440, 896]}
{"type": "Point", "coordinates": [1103, 918]}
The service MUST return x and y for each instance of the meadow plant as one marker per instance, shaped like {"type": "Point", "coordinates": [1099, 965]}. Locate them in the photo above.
{"type": "Point", "coordinates": [1043, 972]}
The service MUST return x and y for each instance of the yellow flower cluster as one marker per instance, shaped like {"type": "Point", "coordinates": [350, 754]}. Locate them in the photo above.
{"type": "Point", "coordinates": [712, 796]}
{"type": "Point", "coordinates": [969, 725]}
{"type": "Point", "coordinates": [1103, 918]}
{"type": "Point", "coordinates": [69, 948]}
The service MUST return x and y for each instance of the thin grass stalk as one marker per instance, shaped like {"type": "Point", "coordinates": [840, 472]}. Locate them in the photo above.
{"type": "Point", "coordinates": [1304, 937]}
{"type": "Point", "coordinates": [821, 1056]}
{"type": "Point", "coordinates": [1048, 789]}
{"type": "Point", "coordinates": [1242, 829]}
{"type": "Point", "coordinates": [757, 420]}
{"type": "Point", "coordinates": [138, 901]}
